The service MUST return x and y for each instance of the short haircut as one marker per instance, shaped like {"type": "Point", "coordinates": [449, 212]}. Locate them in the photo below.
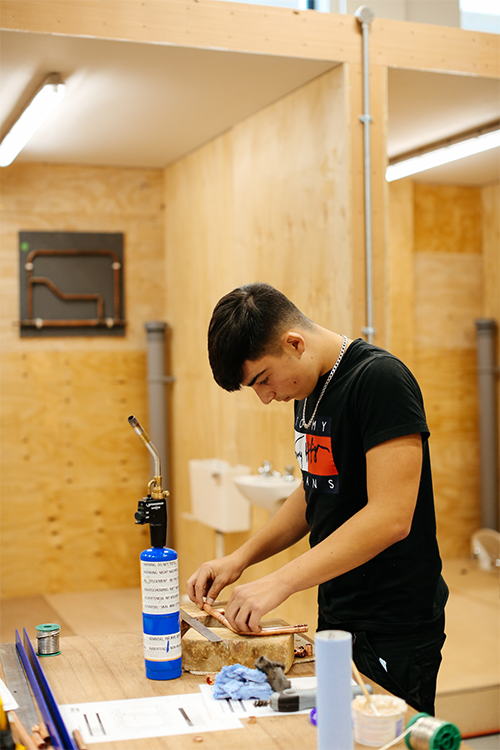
{"type": "Point", "coordinates": [247, 324]}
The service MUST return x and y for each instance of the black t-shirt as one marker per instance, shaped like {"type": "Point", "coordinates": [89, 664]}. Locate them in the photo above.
{"type": "Point", "coordinates": [372, 398]}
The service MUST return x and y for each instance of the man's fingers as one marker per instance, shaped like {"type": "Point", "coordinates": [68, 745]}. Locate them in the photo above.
{"type": "Point", "coordinates": [197, 586]}
{"type": "Point", "coordinates": [212, 595]}
{"type": "Point", "coordinates": [201, 587]}
{"type": "Point", "coordinates": [191, 588]}
{"type": "Point", "coordinates": [207, 586]}
{"type": "Point", "coordinates": [244, 618]}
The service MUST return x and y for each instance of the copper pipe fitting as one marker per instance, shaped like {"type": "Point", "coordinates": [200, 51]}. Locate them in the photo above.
{"type": "Point", "coordinates": [280, 630]}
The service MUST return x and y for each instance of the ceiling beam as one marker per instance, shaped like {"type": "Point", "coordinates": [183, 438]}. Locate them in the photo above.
{"type": "Point", "coordinates": [238, 27]}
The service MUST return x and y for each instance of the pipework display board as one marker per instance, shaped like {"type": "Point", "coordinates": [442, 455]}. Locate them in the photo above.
{"type": "Point", "coordinates": [71, 284]}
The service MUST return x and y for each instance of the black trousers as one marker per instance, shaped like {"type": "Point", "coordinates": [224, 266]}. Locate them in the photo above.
{"type": "Point", "coordinates": [405, 664]}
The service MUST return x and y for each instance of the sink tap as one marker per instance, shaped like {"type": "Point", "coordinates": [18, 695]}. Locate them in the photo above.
{"type": "Point", "coordinates": [288, 475]}
{"type": "Point", "coordinates": [267, 470]}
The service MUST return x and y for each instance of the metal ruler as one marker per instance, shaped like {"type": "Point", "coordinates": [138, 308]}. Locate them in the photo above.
{"type": "Point", "coordinates": [202, 629]}
{"type": "Point", "coordinates": [18, 684]}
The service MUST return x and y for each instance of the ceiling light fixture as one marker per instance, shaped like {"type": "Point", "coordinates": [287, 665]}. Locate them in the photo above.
{"type": "Point", "coordinates": [34, 115]}
{"type": "Point", "coordinates": [434, 156]}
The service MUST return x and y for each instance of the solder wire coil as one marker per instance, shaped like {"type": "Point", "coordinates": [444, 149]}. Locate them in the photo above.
{"type": "Point", "coordinates": [428, 733]}
{"type": "Point", "coordinates": [47, 636]}
{"type": "Point", "coordinates": [425, 732]}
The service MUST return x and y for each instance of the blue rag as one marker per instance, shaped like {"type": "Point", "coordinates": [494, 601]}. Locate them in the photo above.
{"type": "Point", "coordinates": [241, 683]}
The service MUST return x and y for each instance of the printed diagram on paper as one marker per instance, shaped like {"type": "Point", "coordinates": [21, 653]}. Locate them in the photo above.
{"type": "Point", "coordinates": [112, 721]}
{"type": "Point", "coordinates": [162, 716]}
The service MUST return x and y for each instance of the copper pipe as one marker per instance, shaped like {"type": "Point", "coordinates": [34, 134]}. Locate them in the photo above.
{"type": "Point", "coordinates": [42, 730]}
{"type": "Point", "coordinates": [38, 740]}
{"type": "Point", "coordinates": [116, 266]}
{"type": "Point", "coordinates": [23, 735]}
{"type": "Point", "coordinates": [51, 253]}
{"type": "Point", "coordinates": [69, 296]}
{"type": "Point", "coordinates": [91, 323]}
{"type": "Point", "coordinates": [79, 740]}
{"type": "Point", "coordinates": [280, 630]}
{"type": "Point", "coordinates": [219, 615]}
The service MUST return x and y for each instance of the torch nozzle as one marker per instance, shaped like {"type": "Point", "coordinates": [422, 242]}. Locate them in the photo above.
{"type": "Point", "coordinates": [134, 423]}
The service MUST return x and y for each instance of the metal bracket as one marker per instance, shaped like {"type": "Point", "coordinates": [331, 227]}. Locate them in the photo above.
{"type": "Point", "coordinates": [364, 14]}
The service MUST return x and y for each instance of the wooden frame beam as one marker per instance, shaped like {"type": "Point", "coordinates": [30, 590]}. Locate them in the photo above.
{"type": "Point", "coordinates": [210, 24]}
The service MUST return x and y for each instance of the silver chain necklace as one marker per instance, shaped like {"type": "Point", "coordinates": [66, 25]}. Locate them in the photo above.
{"type": "Point", "coordinates": [330, 376]}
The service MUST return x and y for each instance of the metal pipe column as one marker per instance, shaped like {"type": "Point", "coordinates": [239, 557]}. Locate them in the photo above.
{"type": "Point", "coordinates": [157, 401]}
{"type": "Point", "coordinates": [487, 373]}
{"type": "Point", "coordinates": [365, 16]}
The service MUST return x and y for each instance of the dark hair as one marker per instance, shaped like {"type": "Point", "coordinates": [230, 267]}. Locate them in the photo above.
{"type": "Point", "coordinates": [247, 324]}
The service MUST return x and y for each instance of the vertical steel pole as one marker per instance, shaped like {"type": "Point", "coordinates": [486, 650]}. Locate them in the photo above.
{"type": "Point", "coordinates": [157, 400]}
{"type": "Point", "coordinates": [487, 374]}
{"type": "Point", "coordinates": [365, 16]}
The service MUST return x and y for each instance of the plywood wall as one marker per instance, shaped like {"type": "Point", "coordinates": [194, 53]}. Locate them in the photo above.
{"type": "Point", "coordinates": [446, 239]}
{"type": "Point", "coordinates": [267, 201]}
{"type": "Point", "coordinates": [270, 200]}
{"type": "Point", "coordinates": [72, 470]}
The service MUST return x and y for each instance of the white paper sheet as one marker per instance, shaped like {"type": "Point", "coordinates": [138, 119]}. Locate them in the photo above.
{"type": "Point", "coordinates": [243, 709]}
{"type": "Point", "coordinates": [134, 719]}
{"type": "Point", "coordinates": [9, 703]}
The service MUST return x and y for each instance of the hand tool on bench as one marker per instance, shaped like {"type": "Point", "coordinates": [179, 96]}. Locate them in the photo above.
{"type": "Point", "coordinates": [298, 699]}
{"type": "Point", "coordinates": [199, 627]}
{"type": "Point", "coordinates": [288, 698]}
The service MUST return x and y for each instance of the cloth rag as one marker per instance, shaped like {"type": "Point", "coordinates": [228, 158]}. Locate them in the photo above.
{"type": "Point", "coordinates": [241, 683]}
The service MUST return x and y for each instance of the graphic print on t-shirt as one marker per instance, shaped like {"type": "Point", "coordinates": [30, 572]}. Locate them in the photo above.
{"type": "Point", "coordinates": [313, 449]}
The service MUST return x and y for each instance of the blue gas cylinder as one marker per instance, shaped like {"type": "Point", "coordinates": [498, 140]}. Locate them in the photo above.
{"type": "Point", "coordinates": [160, 613]}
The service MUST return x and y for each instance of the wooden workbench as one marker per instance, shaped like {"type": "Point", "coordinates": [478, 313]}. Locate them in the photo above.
{"type": "Point", "coordinates": [111, 667]}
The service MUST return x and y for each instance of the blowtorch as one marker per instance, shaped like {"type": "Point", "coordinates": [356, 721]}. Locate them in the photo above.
{"type": "Point", "coordinates": [159, 578]}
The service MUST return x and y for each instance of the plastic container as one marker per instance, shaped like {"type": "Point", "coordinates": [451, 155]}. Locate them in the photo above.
{"type": "Point", "coordinates": [377, 730]}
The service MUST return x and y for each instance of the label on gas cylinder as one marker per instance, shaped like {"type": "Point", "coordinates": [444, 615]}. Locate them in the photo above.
{"type": "Point", "coordinates": [162, 647]}
{"type": "Point", "coordinates": [160, 587]}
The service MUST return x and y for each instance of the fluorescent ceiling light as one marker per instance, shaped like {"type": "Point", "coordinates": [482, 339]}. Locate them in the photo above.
{"type": "Point", "coordinates": [440, 156]}
{"type": "Point", "coordinates": [40, 107]}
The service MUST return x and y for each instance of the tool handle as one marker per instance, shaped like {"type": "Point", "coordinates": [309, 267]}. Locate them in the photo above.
{"type": "Point", "coordinates": [292, 699]}
{"type": "Point", "coordinates": [297, 699]}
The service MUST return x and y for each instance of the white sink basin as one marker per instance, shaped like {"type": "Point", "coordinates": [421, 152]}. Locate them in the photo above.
{"type": "Point", "coordinates": [267, 492]}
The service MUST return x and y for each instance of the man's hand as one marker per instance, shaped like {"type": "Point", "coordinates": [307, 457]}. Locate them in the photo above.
{"type": "Point", "coordinates": [251, 601]}
{"type": "Point", "coordinates": [211, 578]}
{"type": "Point", "coordinates": [283, 529]}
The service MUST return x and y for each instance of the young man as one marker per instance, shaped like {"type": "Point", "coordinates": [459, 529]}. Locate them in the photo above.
{"type": "Point", "coordinates": [366, 498]}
